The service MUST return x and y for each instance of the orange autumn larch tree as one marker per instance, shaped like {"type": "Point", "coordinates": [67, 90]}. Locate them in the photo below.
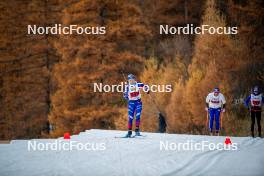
{"type": "Point", "coordinates": [88, 59]}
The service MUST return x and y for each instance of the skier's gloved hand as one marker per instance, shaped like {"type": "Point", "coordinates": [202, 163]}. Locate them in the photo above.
{"type": "Point", "coordinates": [223, 110]}
{"type": "Point", "coordinates": [125, 95]}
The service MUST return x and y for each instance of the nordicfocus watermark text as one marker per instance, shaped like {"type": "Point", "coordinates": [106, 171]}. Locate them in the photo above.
{"type": "Point", "coordinates": [64, 145]}
{"type": "Point", "coordinates": [200, 30]}
{"type": "Point", "coordinates": [190, 145]}
{"type": "Point", "coordinates": [66, 30]}
{"type": "Point", "coordinates": [100, 87]}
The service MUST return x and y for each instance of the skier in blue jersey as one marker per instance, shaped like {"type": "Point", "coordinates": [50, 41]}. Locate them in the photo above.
{"type": "Point", "coordinates": [133, 95]}
{"type": "Point", "coordinates": [215, 105]}
{"type": "Point", "coordinates": [254, 103]}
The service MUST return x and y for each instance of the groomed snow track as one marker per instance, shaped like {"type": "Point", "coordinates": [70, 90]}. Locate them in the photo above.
{"type": "Point", "coordinates": [136, 156]}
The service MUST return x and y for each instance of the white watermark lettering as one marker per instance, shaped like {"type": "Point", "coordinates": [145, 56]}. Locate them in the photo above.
{"type": "Point", "coordinates": [100, 87]}
{"type": "Point", "coordinates": [64, 145]}
{"type": "Point", "coordinates": [58, 29]}
{"type": "Point", "coordinates": [199, 146]}
{"type": "Point", "coordinates": [203, 29]}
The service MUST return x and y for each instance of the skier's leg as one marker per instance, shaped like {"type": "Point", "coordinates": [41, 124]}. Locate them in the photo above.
{"type": "Point", "coordinates": [131, 111]}
{"type": "Point", "coordinates": [217, 121]}
{"type": "Point", "coordinates": [138, 114]}
{"type": "Point", "coordinates": [258, 116]}
{"type": "Point", "coordinates": [252, 122]}
{"type": "Point", "coordinates": [211, 120]}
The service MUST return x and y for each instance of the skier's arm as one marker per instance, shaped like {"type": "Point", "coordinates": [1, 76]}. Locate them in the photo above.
{"type": "Point", "coordinates": [206, 106]}
{"type": "Point", "coordinates": [125, 93]}
{"type": "Point", "coordinates": [207, 102]}
{"type": "Point", "coordinates": [247, 100]}
{"type": "Point", "coordinates": [224, 103]}
{"type": "Point", "coordinates": [146, 90]}
{"type": "Point", "coordinates": [223, 99]}
{"type": "Point", "coordinates": [207, 99]}
{"type": "Point", "coordinates": [223, 107]}
{"type": "Point", "coordinates": [142, 86]}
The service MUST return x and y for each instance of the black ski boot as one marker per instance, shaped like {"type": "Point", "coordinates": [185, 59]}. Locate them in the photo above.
{"type": "Point", "coordinates": [129, 133]}
{"type": "Point", "coordinates": [137, 132]}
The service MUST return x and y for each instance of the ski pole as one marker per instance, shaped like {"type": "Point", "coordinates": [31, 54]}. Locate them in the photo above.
{"type": "Point", "coordinates": [123, 76]}
{"type": "Point", "coordinates": [221, 117]}
{"type": "Point", "coordinates": [221, 120]}
{"type": "Point", "coordinates": [206, 124]}
{"type": "Point", "coordinates": [206, 118]}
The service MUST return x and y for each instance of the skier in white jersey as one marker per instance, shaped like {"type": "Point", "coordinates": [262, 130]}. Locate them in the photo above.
{"type": "Point", "coordinates": [215, 104]}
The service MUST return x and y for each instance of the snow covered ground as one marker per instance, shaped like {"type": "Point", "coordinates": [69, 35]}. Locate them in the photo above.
{"type": "Point", "coordinates": [136, 156]}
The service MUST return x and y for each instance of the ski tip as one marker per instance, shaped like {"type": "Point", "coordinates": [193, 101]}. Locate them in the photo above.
{"type": "Point", "coordinates": [133, 136]}
{"type": "Point", "coordinates": [122, 137]}
{"type": "Point", "coordinates": [139, 135]}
